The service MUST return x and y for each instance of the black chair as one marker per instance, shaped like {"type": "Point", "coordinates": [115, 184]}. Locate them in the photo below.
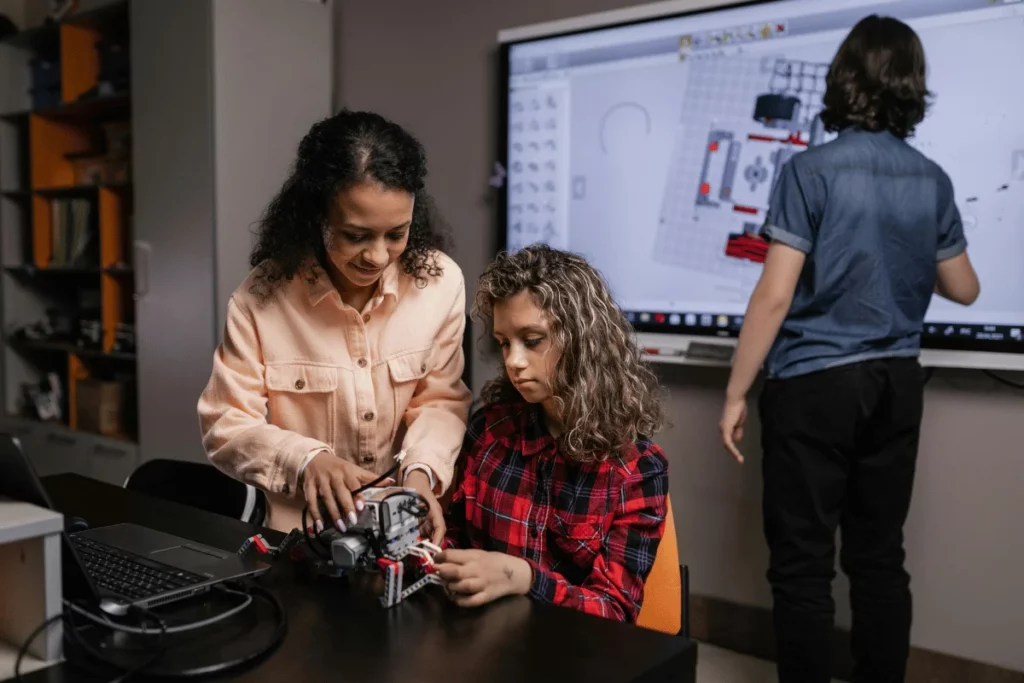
{"type": "Point", "coordinates": [684, 582]}
{"type": "Point", "coordinates": [199, 485]}
{"type": "Point", "coordinates": [467, 353]}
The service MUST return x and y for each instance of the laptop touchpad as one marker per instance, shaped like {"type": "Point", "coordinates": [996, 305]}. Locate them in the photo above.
{"type": "Point", "coordinates": [184, 557]}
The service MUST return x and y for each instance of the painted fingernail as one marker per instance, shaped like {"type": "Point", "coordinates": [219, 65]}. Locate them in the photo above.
{"type": "Point", "coordinates": [390, 480]}
{"type": "Point", "coordinates": [352, 519]}
{"type": "Point", "coordinates": [360, 505]}
{"type": "Point", "coordinates": [341, 526]}
{"type": "Point", "coordinates": [319, 526]}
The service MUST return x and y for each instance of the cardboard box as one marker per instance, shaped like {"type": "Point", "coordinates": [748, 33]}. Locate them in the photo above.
{"type": "Point", "coordinates": [100, 407]}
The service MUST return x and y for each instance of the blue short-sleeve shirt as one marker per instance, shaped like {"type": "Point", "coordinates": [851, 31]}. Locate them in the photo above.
{"type": "Point", "coordinates": [874, 217]}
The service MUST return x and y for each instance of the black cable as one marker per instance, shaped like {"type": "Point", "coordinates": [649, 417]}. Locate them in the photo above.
{"type": "Point", "coordinates": [117, 666]}
{"type": "Point", "coordinates": [280, 630]}
{"type": "Point", "coordinates": [73, 633]}
{"type": "Point", "coordinates": [378, 480]}
{"type": "Point", "coordinates": [1006, 382]}
{"type": "Point", "coordinates": [309, 539]}
{"type": "Point", "coordinates": [23, 650]}
{"type": "Point", "coordinates": [104, 620]}
{"type": "Point", "coordinates": [160, 647]}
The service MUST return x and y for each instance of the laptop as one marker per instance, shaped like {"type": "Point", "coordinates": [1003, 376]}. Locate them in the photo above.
{"type": "Point", "coordinates": [124, 564]}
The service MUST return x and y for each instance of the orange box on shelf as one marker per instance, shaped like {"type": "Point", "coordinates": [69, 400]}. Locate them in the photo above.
{"type": "Point", "coordinates": [99, 407]}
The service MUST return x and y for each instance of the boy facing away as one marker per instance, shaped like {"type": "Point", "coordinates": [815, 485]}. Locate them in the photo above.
{"type": "Point", "coordinates": [863, 230]}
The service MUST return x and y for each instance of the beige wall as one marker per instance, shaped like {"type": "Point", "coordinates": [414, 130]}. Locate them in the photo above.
{"type": "Point", "coordinates": [431, 66]}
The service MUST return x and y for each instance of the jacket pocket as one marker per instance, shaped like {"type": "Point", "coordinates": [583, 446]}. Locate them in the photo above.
{"type": "Point", "coordinates": [406, 369]}
{"type": "Point", "coordinates": [410, 366]}
{"type": "Point", "coordinates": [301, 398]}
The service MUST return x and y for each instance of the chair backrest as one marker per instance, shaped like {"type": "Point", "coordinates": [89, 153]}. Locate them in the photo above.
{"type": "Point", "coordinates": [662, 608]}
{"type": "Point", "coordinates": [467, 353]}
{"type": "Point", "coordinates": [199, 485]}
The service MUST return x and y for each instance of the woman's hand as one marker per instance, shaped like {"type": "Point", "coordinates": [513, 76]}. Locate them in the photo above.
{"type": "Point", "coordinates": [477, 577]}
{"type": "Point", "coordinates": [331, 479]}
{"type": "Point", "coordinates": [433, 526]}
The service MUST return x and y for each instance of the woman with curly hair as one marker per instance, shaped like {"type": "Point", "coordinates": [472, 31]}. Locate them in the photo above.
{"type": "Point", "coordinates": [563, 493]}
{"type": "Point", "coordinates": [863, 230]}
{"type": "Point", "coordinates": [343, 347]}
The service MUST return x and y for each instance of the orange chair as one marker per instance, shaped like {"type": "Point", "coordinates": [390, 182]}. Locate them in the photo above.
{"type": "Point", "coordinates": [666, 592]}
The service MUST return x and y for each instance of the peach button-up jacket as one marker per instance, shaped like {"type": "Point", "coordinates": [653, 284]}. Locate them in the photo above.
{"type": "Point", "coordinates": [302, 373]}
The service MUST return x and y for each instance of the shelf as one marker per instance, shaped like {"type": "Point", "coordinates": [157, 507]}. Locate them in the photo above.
{"type": "Point", "coordinates": [106, 17]}
{"type": "Point", "coordinates": [62, 429]}
{"type": "Point", "coordinates": [15, 116]}
{"type": "Point", "coordinates": [84, 110]}
{"type": "Point", "coordinates": [58, 347]}
{"type": "Point", "coordinates": [65, 191]}
{"type": "Point", "coordinates": [78, 190]}
{"type": "Point", "coordinates": [32, 271]}
{"type": "Point", "coordinates": [37, 39]}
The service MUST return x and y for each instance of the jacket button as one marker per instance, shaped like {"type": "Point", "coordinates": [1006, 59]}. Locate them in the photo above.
{"type": "Point", "coordinates": [367, 459]}
{"type": "Point", "coordinates": [366, 318]}
{"type": "Point", "coordinates": [423, 367]}
{"type": "Point", "coordinates": [362, 362]}
{"type": "Point", "coordinates": [299, 384]}
{"type": "Point", "coordinates": [533, 532]}
{"type": "Point", "coordinates": [368, 416]}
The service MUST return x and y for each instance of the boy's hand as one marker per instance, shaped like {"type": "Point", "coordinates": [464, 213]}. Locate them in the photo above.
{"type": "Point", "coordinates": [477, 577]}
{"type": "Point", "coordinates": [734, 416]}
{"type": "Point", "coordinates": [433, 526]}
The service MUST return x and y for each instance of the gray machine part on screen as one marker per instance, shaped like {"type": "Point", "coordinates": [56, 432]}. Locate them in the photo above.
{"type": "Point", "coordinates": [793, 105]}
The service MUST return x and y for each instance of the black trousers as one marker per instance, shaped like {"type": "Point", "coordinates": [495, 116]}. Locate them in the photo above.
{"type": "Point", "coordinates": [840, 448]}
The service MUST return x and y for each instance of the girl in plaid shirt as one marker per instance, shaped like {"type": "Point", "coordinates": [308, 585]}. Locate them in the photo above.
{"type": "Point", "coordinates": [563, 493]}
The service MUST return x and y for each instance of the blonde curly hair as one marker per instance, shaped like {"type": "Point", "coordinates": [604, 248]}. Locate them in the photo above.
{"type": "Point", "coordinates": [605, 393]}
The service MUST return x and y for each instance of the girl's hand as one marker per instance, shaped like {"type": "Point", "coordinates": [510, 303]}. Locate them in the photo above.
{"type": "Point", "coordinates": [477, 577]}
{"type": "Point", "coordinates": [433, 526]}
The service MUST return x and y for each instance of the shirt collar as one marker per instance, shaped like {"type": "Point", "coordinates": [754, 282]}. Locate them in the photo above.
{"type": "Point", "coordinates": [321, 287]}
{"type": "Point", "coordinates": [535, 437]}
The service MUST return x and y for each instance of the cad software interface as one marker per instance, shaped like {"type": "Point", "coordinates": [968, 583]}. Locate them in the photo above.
{"type": "Point", "coordinates": [652, 149]}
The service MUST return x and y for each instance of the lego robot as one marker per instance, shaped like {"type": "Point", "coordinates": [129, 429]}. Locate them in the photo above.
{"type": "Point", "coordinates": [385, 538]}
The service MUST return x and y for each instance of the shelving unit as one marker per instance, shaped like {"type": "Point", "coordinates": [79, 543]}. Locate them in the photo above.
{"type": "Point", "coordinates": [213, 130]}
{"type": "Point", "coordinates": [66, 208]}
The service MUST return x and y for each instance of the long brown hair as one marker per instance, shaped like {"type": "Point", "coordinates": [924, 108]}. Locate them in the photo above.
{"type": "Point", "coordinates": [607, 396]}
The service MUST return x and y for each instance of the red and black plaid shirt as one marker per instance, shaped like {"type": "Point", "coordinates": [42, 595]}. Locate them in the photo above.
{"type": "Point", "coordinates": [589, 531]}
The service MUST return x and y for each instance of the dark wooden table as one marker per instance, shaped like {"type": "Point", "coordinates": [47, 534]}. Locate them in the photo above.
{"type": "Point", "coordinates": [337, 632]}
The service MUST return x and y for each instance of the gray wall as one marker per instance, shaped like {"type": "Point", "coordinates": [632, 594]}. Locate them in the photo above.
{"type": "Point", "coordinates": [431, 67]}
{"type": "Point", "coordinates": [264, 104]}
{"type": "Point", "coordinates": [215, 129]}
{"type": "Point", "coordinates": [175, 263]}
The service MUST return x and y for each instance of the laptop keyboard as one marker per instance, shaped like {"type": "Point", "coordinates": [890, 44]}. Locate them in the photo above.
{"type": "Point", "coordinates": [127, 575]}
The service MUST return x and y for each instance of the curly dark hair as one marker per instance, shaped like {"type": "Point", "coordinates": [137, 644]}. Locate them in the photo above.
{"type": "Point", "coordinates": [338, 152]}
{"type": "Point", "coordinates": [607, 395]}
{"type": "Point", "coordinates": [877, 79]}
